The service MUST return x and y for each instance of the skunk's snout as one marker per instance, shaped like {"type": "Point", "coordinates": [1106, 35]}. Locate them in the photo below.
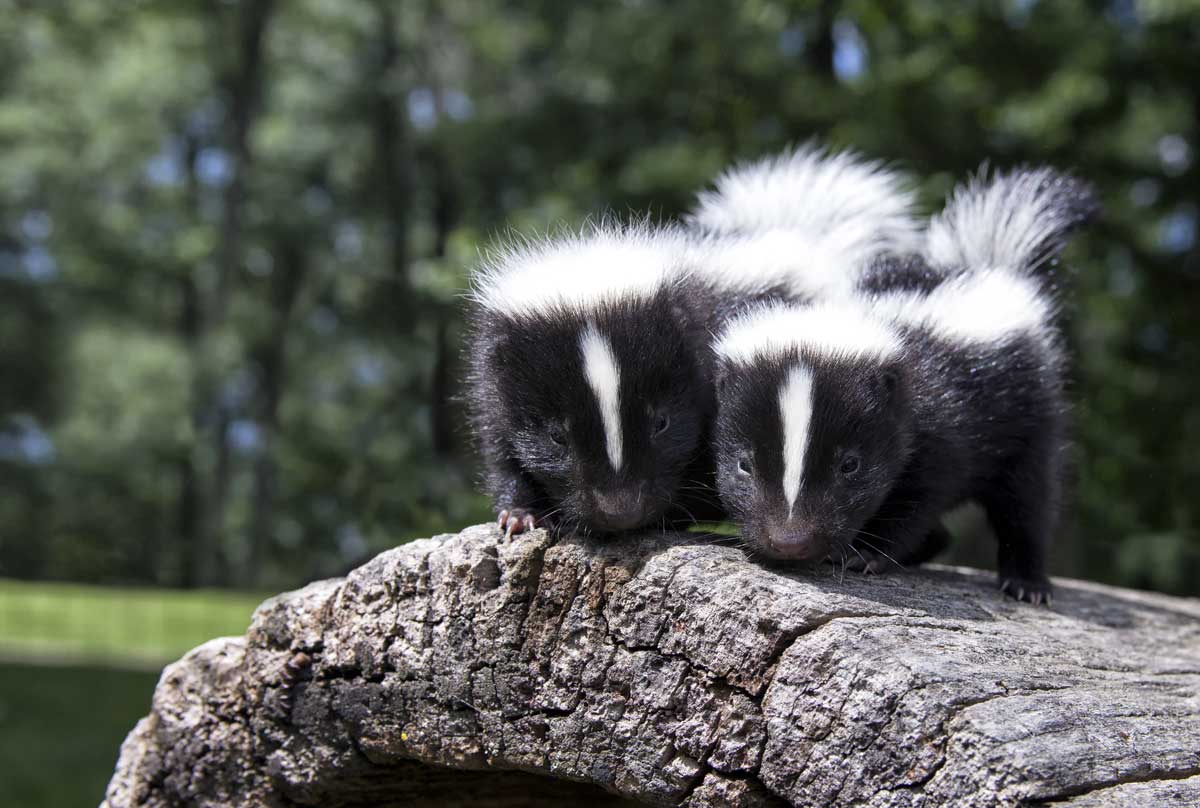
{"type": "Point", "coordinates": [621, 509]}
{"type": "Point", "coordinates": [795, 542]}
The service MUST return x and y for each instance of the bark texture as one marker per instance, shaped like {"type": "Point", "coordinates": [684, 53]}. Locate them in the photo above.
{"type": "Point", "coordinates": [670, 670]}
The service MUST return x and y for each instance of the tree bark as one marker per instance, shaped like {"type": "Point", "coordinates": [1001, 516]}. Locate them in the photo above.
{"type": "Point", "coordinates": [669, 670]}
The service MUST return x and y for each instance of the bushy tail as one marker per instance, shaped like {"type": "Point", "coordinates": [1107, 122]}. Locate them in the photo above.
{"type": "Point", "coordinates": [1014, 221]}
{"type": "Point", "coordinates": [857, 204]}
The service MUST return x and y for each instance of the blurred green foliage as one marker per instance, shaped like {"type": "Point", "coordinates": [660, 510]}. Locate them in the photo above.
{"type": "Point", "coordinates": [233, 235]}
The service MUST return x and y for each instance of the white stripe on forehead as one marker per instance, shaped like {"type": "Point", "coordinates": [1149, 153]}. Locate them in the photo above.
{"type": "Point", "coordinates": [795, 410]}
{"type": "Point", "coordinates": [604, 377]}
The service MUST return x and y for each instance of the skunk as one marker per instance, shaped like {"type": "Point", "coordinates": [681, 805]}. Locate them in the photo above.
{"type": "Point", "coordinates": [586, 391]}
{"type": "Point", "coordinates": [590, 387]}
{"type": "Point", "coordinates": [851, 426]}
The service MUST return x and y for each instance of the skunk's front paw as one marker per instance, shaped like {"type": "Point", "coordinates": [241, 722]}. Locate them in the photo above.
{"type": "Point", "coordinates": [513, 521]}
{"type": "Point", "coordinates": [1031, 590]}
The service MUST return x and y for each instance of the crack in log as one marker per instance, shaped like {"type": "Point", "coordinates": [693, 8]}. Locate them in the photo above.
{"type": "Point", "coordinates": [1089, 788]}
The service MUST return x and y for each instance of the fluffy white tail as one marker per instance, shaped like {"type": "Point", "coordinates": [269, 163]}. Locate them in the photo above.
{"type": "Point", "coordinates": [1014, 222]}
{"type": "Point", "coordinates": [858, 205]}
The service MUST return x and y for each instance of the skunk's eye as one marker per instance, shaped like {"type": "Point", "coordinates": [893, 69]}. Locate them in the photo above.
{"type": "Point", "coordinates": [745, 466]}
{"type": "Point", "coordinates": [557, 434]}
{"type": "Point", "coordinates": [850, 465]}
{"type": "Point", "coordinates": [661, 422]}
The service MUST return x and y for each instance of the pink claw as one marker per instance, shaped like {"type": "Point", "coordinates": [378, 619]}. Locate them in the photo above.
{"type": "Point", "coordinates": [515, 521]}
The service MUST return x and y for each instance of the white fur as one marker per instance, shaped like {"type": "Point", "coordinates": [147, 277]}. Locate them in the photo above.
{"type": "Point", "coordinates": [604, 377]}
{"type": "Point", "coordinates": [1005, 222]}
{"type": "Point", "coordinates": [795, 410]}
{"type": "Point", "coordinates": [980, 308]}
{"type": "Point", "coordinates": [580, 272]}
{"type": "Point", "coordinates": [801, 264]}
{"type": "Point", "coordinates": [985, 308]}
{"type": "Point", "coordinates": [840, 330]}
{"type": "Point", "coordinates": [852, 202]}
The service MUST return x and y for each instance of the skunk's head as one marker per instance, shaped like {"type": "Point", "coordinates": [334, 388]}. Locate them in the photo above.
{"type": "Point", "coordinates": [605, 412]}
{"type": "Point", "coordinates": [814, 428]}
{"type": "Point", "coordinates": [601, 395]}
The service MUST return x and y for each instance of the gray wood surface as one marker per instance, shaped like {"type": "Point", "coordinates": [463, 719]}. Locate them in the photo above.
{"type": "Point", "coordinates": [671, 670]}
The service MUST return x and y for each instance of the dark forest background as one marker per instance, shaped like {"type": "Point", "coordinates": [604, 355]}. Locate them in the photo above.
{"type": "Point", "coordinates": [234, 235]}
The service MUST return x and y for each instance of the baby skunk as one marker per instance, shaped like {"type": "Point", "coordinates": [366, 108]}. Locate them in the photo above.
{"type": "Point", "coordinates": [588, 391]}
{"type": "Point", "coordinates": [850, 427]}
{"type": "Point", "coordinates": [590, 386]}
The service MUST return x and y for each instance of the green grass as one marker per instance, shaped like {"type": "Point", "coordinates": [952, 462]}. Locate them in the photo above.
{"type": "Point", "coordinates": [124, 627]}
{"type": "Point", "coordinates": [61, 729]}
{"type": "Point", "coordinates": [97, 652]}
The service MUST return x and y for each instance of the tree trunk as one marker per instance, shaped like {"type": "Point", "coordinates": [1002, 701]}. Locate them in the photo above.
{"type": "Point", "coordinates": [243, 88]}
{"type": "Point", "coordinates": [187, 509]}
{"type": "Point", "coordinates": [445, 217]}
{"type": "Point", "coordinates": [287, 279]}
{"type": "Point", "coordinates": [667, 670]}
{"type": "Point", "coordinates": [392, 177]}
{"type": "Point", "coordinates": [188, 512]}
{"type": "Point", "coordinates": [820, 51]}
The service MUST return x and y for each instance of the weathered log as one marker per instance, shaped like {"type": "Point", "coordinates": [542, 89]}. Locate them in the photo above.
{"type": "Point", "coordinates": [667, 669]}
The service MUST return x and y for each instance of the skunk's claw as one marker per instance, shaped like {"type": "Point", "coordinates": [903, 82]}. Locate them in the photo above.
{"type": "Point", "coordinates": [516, 521]}
{"type": "Point", "coordinates": [1036, 591]}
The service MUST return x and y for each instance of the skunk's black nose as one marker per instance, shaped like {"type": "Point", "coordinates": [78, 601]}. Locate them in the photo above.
{"type": "Point", "coordinates": [622, 509]}
{"type": "Point", "coordinates": [794, 542]}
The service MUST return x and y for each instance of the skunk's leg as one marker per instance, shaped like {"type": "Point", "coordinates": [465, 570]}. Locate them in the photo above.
{"type": "Point", "coordinates": [1023, 508]}
{"type": "Point", "coordinates": [518, 499]}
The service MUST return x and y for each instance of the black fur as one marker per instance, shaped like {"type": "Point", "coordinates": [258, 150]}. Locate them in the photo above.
{"type": "Point", "coordinates": [900, 273]}
{"type": "Point", "coordinates": [539, 426]}
{"type": "Point", "coordinates": [940, 425]}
